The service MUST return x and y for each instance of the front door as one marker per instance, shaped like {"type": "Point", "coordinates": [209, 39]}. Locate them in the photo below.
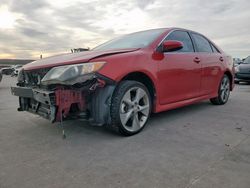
{"type": "Point", "coordinates": [179, 72]}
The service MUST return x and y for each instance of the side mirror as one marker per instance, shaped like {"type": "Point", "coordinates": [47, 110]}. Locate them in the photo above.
{"type": "Point", "coordinates": [171, 45]}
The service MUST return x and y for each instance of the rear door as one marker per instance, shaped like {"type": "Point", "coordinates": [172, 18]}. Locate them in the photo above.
{"type": "Point", "coordinates": [179, 72]}
{"type": "Point", "coordinates": [211, 62]}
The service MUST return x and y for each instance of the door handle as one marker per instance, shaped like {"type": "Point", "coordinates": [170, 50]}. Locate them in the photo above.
{"type": "Point", "coordinates": [197, 60]}
{"type": "Point", "coordinates": [221, 59]}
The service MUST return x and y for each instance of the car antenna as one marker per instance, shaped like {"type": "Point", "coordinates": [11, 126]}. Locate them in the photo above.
{"type": "Point", "coordinates": [61, 123]}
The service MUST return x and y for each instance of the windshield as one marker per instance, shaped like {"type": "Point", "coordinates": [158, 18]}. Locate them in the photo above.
{"type": "Point", "coordinates": [134, 40]}
{"type": "Point", "coordinates": [247, 60]}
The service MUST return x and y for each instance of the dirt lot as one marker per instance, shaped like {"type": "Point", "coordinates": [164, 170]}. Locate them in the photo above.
{"type": "Point", "coordinates": [196, 146]}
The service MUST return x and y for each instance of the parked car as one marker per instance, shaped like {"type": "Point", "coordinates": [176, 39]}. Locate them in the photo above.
{"type": "Point", "coordinates": [120, 82]}
{"type": "Point", "coordinates": [7, 70]}
{"type": "Point", "coordinates": [12, 70]}
{"type": "Point", "coordinates": [242, 71]}
{"type": "Point", "coordinates": [1, 76]}
{"type": "Point", "coordinates": [237, 61]}
{"type": "Point", "coordinates": [16, 70]}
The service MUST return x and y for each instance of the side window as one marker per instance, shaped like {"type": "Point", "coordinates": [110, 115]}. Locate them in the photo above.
{"type": "Point", "coordinates": [183, 37]}
{"type": "Point", "coordinates": [202, 44]}
{"type": "Point", "coordinates": [215, 50]}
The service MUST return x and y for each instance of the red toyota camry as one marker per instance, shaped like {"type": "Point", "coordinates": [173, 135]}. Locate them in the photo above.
{"type": "Point", "coordinates": [121, 82]}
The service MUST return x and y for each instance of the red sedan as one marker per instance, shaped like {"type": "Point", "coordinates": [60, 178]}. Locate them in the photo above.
{"type": "Point", "coordinates": [120, 82]}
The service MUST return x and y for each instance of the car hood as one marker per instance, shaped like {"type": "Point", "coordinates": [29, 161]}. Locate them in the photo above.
{"type": "Point", "coordinates": [72, 58]}
{"type": "Point", "coordinates": [244, 68]}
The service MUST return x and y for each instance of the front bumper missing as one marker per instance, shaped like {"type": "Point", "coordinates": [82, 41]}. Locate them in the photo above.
{"type": "Point", "coordinates": [52, 105]}
{"type": "Point", "coordinates": [89, 100]}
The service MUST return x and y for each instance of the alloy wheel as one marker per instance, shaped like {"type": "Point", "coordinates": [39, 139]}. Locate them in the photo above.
{"type": "Point", "coordinates": [224, 89]}
{"type": "Point", "coordinates": [134, 109]}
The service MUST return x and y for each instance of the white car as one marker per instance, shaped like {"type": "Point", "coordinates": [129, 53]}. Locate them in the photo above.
{"type": "Point", "coordinates": [16, 70]}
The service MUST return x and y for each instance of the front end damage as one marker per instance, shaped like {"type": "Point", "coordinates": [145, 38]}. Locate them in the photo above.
{"type": "Point", "coordinates": [86, 97]}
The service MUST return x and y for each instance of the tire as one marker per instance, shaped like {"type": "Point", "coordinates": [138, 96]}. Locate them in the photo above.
{"type": "Point", "coordinates": [130, 107]}
{"type": "Point", "coordinates": [223, 92]}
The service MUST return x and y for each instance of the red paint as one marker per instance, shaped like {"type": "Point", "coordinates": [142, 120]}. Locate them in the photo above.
{"type": "Point", "coordinates": [180, 73]}
{"type": "Point", "coordinates": [71, 58]}
{"type": "Point", "coordinates": [64, 100]}
{"type": "Point", "coordinates": [172, 44]}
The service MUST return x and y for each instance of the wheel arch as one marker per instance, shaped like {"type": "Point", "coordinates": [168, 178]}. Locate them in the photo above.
{"type": "Point", "coordinates": [145, 80]}
{"type": "Point", "coordinates": [230, 76]}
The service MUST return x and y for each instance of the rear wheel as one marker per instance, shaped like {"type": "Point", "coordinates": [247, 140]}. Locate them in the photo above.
{"type": "Point", "coordinates": [130, 108]}
{"type": "Point", "coordinates": [223, 92]}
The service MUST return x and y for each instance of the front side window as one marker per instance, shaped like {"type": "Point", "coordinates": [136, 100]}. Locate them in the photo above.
{"type": "Point", "coordinates": [183, 37]}
{"type": "Point", "coordinates": [202, 44]}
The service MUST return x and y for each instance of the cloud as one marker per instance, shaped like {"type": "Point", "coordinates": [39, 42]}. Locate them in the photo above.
{"type": "Point", "coordinates": [27, 7]}
{"type": "Point", "coordinates": [144, 3]}
{"type": "Point", "coordinates": [51, 27]}
{"type": "Point", "coordinates": [32, 32]}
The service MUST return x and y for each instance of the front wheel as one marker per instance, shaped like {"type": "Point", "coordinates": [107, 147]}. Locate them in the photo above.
{"type": "Point", "coordinates": [130, 108]}
{"type": "Point", "coordinates": [223, 92]}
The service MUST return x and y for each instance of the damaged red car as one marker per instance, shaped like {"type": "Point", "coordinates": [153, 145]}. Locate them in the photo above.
{"type": "Point", "coordinates": [121, 82]}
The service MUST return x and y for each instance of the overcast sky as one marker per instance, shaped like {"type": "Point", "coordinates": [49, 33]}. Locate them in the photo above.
{"type": "Point", "coordinates": [29, 28]}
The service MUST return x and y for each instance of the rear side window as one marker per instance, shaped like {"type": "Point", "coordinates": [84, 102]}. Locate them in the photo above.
{"type": "Point", "coordinates": [202, 43]}
{"type": "Point", "coordinates": [183, 37]}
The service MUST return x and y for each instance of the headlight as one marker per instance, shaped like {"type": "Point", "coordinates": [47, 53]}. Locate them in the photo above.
{"type": "Point", "coordinates": [70, 72]}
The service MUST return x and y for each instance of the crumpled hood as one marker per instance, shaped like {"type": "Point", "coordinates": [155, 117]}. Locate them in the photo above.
{"type": "Point", "coordinates": [72, 58]}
